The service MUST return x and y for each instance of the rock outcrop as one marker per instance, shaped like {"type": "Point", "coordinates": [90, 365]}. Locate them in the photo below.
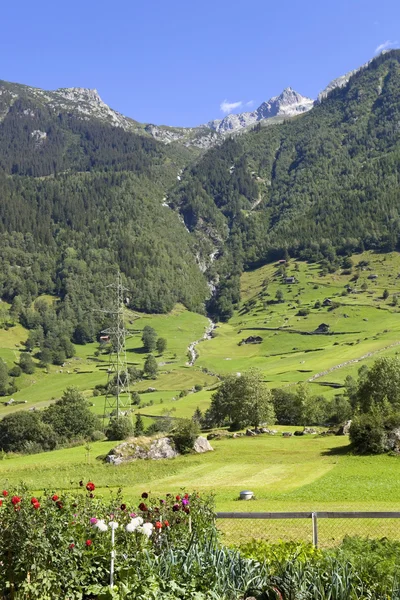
{"type": "Point", "coordinates": [151, 449]}
{"type": "Point", "coordinates": [287, 104]}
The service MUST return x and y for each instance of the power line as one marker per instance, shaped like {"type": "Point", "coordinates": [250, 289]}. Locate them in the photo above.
{"type": "Point", "coordinates": [117, 402]}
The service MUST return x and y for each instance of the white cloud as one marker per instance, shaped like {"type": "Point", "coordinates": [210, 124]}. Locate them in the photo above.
{"type": "Point", "coordinates": [228, 107]}
{"type": "Point", "coordinates": [385, 46]}
{"type": "Point", "coordinates": [250, 103]}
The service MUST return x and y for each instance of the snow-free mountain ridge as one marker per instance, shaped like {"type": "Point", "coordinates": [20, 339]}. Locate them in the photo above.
{"type": "Point", "coordinates": [287, 104]}
{"type": "Point", "coordinates": [87, 104]}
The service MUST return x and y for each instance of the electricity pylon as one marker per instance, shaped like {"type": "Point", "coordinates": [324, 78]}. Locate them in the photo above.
{"type": "Point", "coordinates": [117, 402]}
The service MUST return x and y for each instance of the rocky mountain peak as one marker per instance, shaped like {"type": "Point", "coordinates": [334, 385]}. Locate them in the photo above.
{"type": "Point", "coordinates": [287, 104]}
{"type": "Point", "coordinates": [78, 94]}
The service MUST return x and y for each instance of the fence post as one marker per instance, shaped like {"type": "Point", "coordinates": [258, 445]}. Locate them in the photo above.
{"type": "Point", "coordinates": [314, 529]}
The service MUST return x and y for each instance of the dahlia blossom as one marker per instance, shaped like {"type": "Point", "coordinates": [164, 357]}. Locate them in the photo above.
{"type": "Point", "coordinates": [101, 525]}
{"type": "Point", "coordinates": [134, 524]}
{"type": "Point", "coordinates": [146, 529]}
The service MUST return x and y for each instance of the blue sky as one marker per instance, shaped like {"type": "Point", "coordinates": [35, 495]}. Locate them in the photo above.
{"type": "Point", "coordinates": [175, 62]}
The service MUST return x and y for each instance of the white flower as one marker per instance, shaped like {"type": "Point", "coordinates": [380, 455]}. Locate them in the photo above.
{"type": "Point", "coordinates": [146, 529]}
{"type": "Point", "coordinates": [134, 524]}
{"type": "Point", "coordinates": [101, 525]}
{"type": "Point", "coordinates": [113, 525]}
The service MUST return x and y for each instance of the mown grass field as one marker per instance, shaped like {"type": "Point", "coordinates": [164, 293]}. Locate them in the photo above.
{"type": "Point", "coordinates": [286, 474]}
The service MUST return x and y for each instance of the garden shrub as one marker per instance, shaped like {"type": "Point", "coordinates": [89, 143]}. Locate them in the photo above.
{"type": "Point", "coordinates": [119, 429]}
{"type": "Point", "coordinates": [185, 435]}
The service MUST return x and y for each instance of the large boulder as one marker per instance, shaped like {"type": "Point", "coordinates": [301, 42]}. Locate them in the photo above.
{"type": "Point", "coordinates": [344, 429]}
{"type": "Point", "coordinates": [393, 440]}
{"type": "Point", "coordinates": [142, 448]}
{"type": "Point", "coordinates": [202, 445]}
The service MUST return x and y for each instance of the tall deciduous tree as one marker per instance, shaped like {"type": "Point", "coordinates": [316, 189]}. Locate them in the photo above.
{"type": "Point", "coordinates": [150, 367]}
{"type": "Point", "coordinates": [381, 383]}
{"type": "Point", "coordinates": [243, 400]}
{"type": "Point", "coordinates": [71, 416]}
{"type": "Point", "coordinates": [149, 338]}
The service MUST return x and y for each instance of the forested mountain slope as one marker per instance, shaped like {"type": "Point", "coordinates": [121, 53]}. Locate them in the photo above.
{"type": "Point", "coordinates": [317, 185]}
{"type": "Point", "coordinates": [82, 194]}
{"type": "Point", "coordinates": [81, 197]}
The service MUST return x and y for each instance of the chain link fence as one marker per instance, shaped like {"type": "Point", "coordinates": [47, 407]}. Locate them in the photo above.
{"type": "Point", "coordinates": [323, 529]}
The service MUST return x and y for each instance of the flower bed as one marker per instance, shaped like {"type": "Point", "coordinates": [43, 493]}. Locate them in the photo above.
{"type": "Point", "coordinates": [61, 546]}
{"type": "Point", "coordinates": [75, 546]}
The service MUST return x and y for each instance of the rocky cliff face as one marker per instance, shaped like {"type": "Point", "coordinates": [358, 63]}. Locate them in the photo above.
{"type": "Point", "coordinates": [287, 104]}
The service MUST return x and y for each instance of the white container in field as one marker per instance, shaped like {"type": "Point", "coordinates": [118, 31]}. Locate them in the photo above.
{"type": "Point", "coordinates": [246, 495]}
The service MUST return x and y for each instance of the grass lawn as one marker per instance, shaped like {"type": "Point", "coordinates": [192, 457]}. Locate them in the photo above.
{"type": "Point", "coordinates": [286, 474]}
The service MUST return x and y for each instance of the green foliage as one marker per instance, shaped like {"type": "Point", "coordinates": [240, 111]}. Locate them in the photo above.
{"type": "Point", "coordinates": [26, 363]}
{"type": "Point", "coordinates": [161, 345]}
{"type": "Point", "coordinates": [139, 426]}
{"type": "Point", "coordinates": [149, 338]}
{"type": "Point", "coordinates": [158, 553]}
{"type": "Point", "coordinates": [367, 433]}
{"type": "Point", "coordinates": [70, 417]}
{"type": "Point", "coordinates": [4, 378]}
{"type": "Point", "coordinates": [15, 371]}
{"type": "Point", "coordinates": [242, 400]}
{"type": "Point", "coordinates": [150, 367]}
{"type": "Point", "coordinates": [381, 383]}
{"type": "Point", "coordinates": [120, 429]}
{"type": "Point", "coordinates": [185, 434]}
{"type": "Point", "coordinates": [21, 428]}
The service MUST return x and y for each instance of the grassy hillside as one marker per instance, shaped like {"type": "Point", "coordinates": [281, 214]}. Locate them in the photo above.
{"type": "Point", "coordinates": [361, 327]}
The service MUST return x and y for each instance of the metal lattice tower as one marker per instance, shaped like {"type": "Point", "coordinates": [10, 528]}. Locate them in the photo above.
{"type": "Point", "coordinates": [117, 402]}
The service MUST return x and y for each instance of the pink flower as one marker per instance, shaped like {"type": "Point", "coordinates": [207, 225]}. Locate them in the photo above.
{"type": "Point", "coordinates": [93, 521]}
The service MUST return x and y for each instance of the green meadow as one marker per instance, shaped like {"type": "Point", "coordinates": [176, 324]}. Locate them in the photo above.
{"type": "Point", "coordinates": [311, 473]}
{"type": "Point", "coordinates": [362, 326]}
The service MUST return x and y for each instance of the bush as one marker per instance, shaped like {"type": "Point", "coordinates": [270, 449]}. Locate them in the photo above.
{"type": "Point", "coordinates": [97, 436]}
{"type": "Point", "coordinates": [160, 426]}
{"type": "Point", "coordinates": [15, 371]}
{"type": "Point", "coordinates": [21, 428]}
{"type": "Point", "coordinates": [367, 434]}
{"type": "Point", "coordinates": [119, 429]}
{"type": "Point", "coordinates": [185, 435]}
{"type": "Point", "coordinates": [303, 312]}
{"type": "Point", "coordinates": [26, 363]}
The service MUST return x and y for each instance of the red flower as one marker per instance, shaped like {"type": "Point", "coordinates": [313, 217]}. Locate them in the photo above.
{"type": "Point", "coordinates": [59, 504]}
{"type": "Point", "coordinates": [178, 498]}
{"type": "Point", "coordinates": [142, 507]}
{"type": "Point", "coordinates": [54, 497]}
{"type": "Point", "coordinates": [1, 502]}
{"type": "Point", "coordinates": [15, 500]}
{"type": "Point", "coordinates": [5, 493]}
{"type": "Point", "coordinates": [34, 500]}
{"type": "Point", "coordinates": [36, 505]}
{"type": "Point", "coordinates": [90, 486]}
{"type": "Point", "coordinates": [158, 525]}
{"type": "Point", "coordinates": [123, 506]}
{"type": "Point", "coordinates": [145, 495]}
{"type": "Point", "coordinates": [71, 546]}
{"type": "Point", "coordinates": [186, 496]}
{"type": "Point", "coordinates": [175, 507]}
{"type": "Point", "coordinates": [88, 542]}
{"type": "Point", "coordinates": [166, 523]}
